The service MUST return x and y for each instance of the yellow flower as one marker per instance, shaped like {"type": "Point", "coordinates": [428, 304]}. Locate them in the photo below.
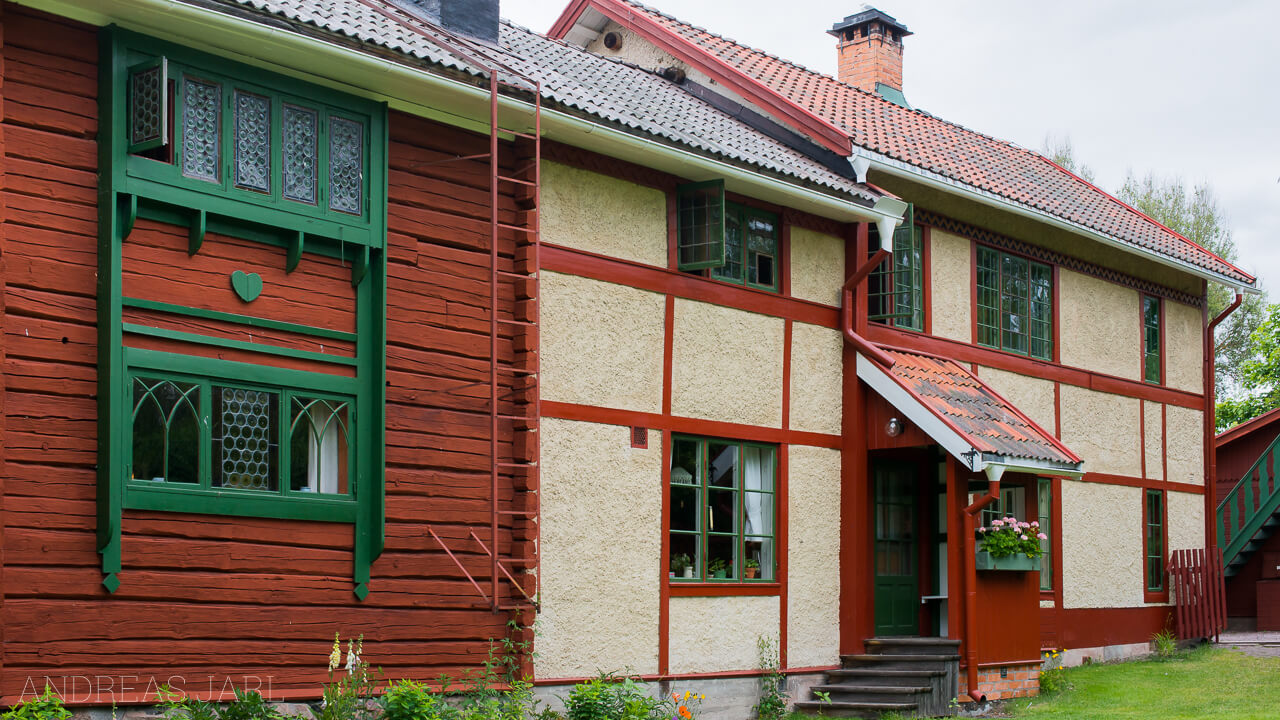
{"type": "Point", "coordinates": [335, 657]}
{"type": "Point", "coordinates": [686, 694]}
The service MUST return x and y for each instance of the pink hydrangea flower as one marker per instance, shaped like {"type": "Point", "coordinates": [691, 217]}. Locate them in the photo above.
{"type": "Point", "coordinates": [1024, 537]}
{"type": "Point", "coordinates": [982, 529]}
{"type": "Point", "coordinates": [1035, 523]}
{"type": "Point", "coordinates": [997, 523]}
{"type": "Point", "coordinates": [1042, 536]}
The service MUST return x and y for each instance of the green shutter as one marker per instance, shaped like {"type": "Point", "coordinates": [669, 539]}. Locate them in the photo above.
{"type": "Point", "coordinates": [148, 105]}
{"type": "Point", "coordinates": [700, 221]}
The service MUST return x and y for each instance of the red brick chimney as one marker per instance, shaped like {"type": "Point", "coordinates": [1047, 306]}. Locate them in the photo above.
{"type": "Point", "coordinates": [870, 47]}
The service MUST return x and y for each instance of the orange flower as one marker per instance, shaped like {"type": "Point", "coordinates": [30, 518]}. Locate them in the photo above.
{"type": "Point", "coordinates": [684, 712]}
{"type": "Point", "coordinates": [675, 696]}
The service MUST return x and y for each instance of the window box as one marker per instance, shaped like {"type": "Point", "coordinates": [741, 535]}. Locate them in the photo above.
{"type": "Point", "coordinates": [1015, 563]}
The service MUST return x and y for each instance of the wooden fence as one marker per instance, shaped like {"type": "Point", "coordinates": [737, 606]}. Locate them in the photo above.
{"type": "Point", "coordinates": [1199, 596]}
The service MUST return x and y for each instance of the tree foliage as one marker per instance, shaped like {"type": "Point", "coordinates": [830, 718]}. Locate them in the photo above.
{"type": "Point", "coordinates": [1196, 215]}
{"type": "Point", "coordinates": [1060, 150]}
{"type": "Point", "coordinates": [1260, 375]}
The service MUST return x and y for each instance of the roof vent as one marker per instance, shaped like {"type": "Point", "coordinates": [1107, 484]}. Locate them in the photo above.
{"type": "Point", "coordinates": [613, 41]}
{"type": "Point", "coordinates": [674, 74]}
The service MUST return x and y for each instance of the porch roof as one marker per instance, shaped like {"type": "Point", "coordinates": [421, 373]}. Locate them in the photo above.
{"type": "Point", "coordinates": [966, 416]}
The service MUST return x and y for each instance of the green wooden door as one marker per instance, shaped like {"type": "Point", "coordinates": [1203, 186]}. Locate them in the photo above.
{"type": "Point", "coordinates": [897, 586]}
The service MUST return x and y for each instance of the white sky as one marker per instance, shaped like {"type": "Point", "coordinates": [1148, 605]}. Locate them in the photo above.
{"type": "Point", "coordinates": [1178, 87]}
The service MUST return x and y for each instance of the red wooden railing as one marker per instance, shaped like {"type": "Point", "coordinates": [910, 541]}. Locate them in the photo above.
{"type": "Point", "coordinates": [1199, 597]}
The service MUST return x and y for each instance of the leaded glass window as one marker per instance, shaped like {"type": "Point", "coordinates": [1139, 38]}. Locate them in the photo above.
{"type": "Point", "coordinates": [166, 431]}
{"type": "Point", "coordinates": [319, 449]}
{"type": "Point", "coordinates": [701, 225]}
{"type": "Point", "coordinates": [300, 148]}
{"type": "Point", "coordinates": [1151, 370]}
{"type": "Point", "coordinates": [245, 446]}
{"type": "Point", "coordinates": [201, 129]}
{"type": "Point", "coordinates": [1015, 304]}
{"type": "Point", "coordinates": [148, 106]}
{"type": "Point", "coordinates": [750, 248]}
{"type": "Point", "coordinates": [722, 511]}
{"type": "Point", "coordinates": [253, 141]}
{"type": "Point", "coordinates": [346, 165]}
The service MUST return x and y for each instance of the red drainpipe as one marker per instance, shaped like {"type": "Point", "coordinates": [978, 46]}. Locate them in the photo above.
{"type": "Point", "coordinates": [863, 345]}
{"type": "Point", "coordinates": [971, 587]}
{"type": "Point", "coordinates": [1210, 426]}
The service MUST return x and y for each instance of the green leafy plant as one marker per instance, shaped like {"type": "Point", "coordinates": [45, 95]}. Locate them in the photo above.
{"type": "Point", "coordinates": [349, 697]}
{"type": "Point", "coordinates": [46, 706]}
{"type": "Point", "coordinates": [1006, 537]}
{"type": "Point", "coordinates": [1165, 643]}
{"type": "Point", "coordinates": [611, 698]}
{"type": "Point", "coordinates": [680, 562]}
{"type": "Point", "coordinates": [717, 565]}
{"type": "Point", "coordinates": [1053, 677]}
{"type": "Point", "coordinates": [773, 694]}
{"type": "Point", "coordinates": [247, 705]}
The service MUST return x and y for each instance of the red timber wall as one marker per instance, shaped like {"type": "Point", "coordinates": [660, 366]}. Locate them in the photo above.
{"type": "Point", "coordinates": [207, 602]}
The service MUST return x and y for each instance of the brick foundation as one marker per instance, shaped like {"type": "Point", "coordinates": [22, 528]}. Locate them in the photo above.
{"type": "Point", "coordinates": [1017, 681]}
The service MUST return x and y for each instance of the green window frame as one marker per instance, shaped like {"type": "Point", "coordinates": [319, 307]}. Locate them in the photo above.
{"type": "Point", "coordinates": [1152, 339]}
{"type": "Point", "coordinates": [1014, 303]}
{"type": "Point", "coordinates": [1154, 540]}
{"type": "Point", "coordinates": [1044, 515]}
{"type": "Point", "coordinates": [896, 288]}
{"type": "Point", "coordinates": [722, 511]}
{"type": "Point", "coordinates": [729, 241]}
{"type": "Point", "coordinates": [169, 150]}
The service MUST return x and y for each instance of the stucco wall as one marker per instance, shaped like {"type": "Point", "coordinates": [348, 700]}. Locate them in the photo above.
{"type": "Point", "coordinates": [1154, 444]}
{"type": "Point", "coordinates": [589, 211]}
{"type": "Point", "coordinates": [601, 501]}
{"type": "Point", "coordinates": [726, 364]}
{"type": "Point", "coordinates": [1103, 429]}
{"type": "Point", "coordinates": [1032, 396]}
{"type": "Point", "coordinates": [1186, 520]}
{"type": "Point", "coordinates": [1184, 346]}
{"type": "Point", "coordinates": [1100, 325]}
{"type": "Point", "coordinates": [951, 285]}
{"type": "Point", "coordinates": [1185, 428]}
{"type": "Point", "coordinates": [601, 343]}
{"type": "Point", "coordinates": [1101, 545]}
{"type": "Point", "coordinates": [713, 634]}
{"type": "Point", "coordinates": [816, 378]}
{"type": "Point", "coordinates": [817, 266]}
{"type": "Point", "coordinates": [813, 557]}
{"type": "Point", "coordinates": [638, 51]}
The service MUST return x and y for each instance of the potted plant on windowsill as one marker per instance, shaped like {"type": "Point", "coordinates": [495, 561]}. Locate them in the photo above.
{"type": "Point", "coordinates": [1009, 544]}
{"type": "Point", "coordinates": [751, 569]}
{"type": "Point", "coordinates": [718, 568]}
{"type": "Point", "coordinates": [681, 566]}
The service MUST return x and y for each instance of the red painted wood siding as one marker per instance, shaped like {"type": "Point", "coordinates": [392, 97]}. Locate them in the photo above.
{"type": "Point", "coordinates": [215, 599]}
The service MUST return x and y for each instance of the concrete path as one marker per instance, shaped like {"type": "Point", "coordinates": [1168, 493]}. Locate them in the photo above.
{"type": "Point", "coordinates": [1257, 644]}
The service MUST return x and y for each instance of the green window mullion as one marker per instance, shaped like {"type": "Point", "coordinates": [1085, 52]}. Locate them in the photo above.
{"type": "Point", "coordinates": [284, 445]}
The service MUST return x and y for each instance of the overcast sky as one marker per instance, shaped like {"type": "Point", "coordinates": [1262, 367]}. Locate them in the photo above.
{"type": "Point", "coordinates": [1174, 87]}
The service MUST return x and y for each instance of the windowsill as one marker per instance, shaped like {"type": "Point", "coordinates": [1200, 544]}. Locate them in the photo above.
{"type": "Point", "coordinates": [1155, 596]}
{"type": "Point", "coordinates": [1015, 353]}
{"type": "Point", "coordinates": [705, 275]}
{"type": "Point", "coordinates": [725, 588]}
{"type": "Point", "coordinates": [143, 495]}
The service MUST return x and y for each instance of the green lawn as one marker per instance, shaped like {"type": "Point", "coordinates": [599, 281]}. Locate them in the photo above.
{"type": "Point", "coordinates": [1204, 683]}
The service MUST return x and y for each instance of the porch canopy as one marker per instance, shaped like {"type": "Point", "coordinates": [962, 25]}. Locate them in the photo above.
{"type": "Point", "coordinates": [982, 430]}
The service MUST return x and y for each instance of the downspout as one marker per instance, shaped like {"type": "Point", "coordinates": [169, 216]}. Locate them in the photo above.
{"type": "Point", "coordinates": [860, 343]}
{"type": "Point", "coordinates": [994, 473]}
{"type": "Point", "coordinates": [1211, 424]}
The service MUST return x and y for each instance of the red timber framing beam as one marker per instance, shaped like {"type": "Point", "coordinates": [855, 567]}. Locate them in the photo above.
{"type": "Point", "coordinates": [4, 255]}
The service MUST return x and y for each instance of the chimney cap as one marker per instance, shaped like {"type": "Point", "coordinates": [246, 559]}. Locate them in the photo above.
{"type": "Point", "coordinates": [866, 16]}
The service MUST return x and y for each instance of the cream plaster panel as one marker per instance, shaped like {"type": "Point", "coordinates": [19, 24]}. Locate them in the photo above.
{"type": "Point", "coordinates": [813, 555]}
{"type": "Point", "coordinates": [1032, 396]}
{"type": "Point", "coordinates": [817, 370]}
{"type": "Point", "coordinates": [601, 504]}
{"type": "Point", "coordinates": [817, 266]}
{"type": "Point", "coordinates": [1101, 545]}
{"type": "Point", "coordinates": [726, 365]}
{"type": "Point", "coordinates": [1154, 444]}
{"type": "Point", "coordinates": [1185, 430]}
{"type": "Point", "coordinates": [1103, 429]}
{"type": "Point", "coordinates": [1186, 520]}
{"type": "Point", "coordinates": [715, 634]}
{"type": "Point", "coordinates": [1184, 347]}
{"type": "Point", "coordinates": [950, 282]}
{"type": "Point", "coordinates": [601, 343]}
{"type": "Point", "coordinates": [589, 211]}
{"type": "Point", "coordinates": [639, 51]}
{"type": "Point", "coordinates": [1100, 325]}
{"type": "Point", "coordinates": [1047, 604]}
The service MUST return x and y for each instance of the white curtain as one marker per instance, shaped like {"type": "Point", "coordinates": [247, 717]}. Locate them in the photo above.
{"type": "Point", "coordinates": [757, 474]}
{"type": "Point", "coordinates": [322, 451]}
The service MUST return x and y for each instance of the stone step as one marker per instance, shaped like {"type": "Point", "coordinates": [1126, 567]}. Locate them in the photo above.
{"type": "Point", "coordinates": [912, 646]}
{"type": "Point", "coordinates": [882, 676]}
{"type": "Point", "coordinates": [895, 661]}
{"type": "Point", "coordinates": [856, 709]}
{"type": "Point", "coordinates": [876, 693]}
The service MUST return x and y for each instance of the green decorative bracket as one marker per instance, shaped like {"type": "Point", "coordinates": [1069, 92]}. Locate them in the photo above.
{"type": "Point", "coordinates": [360, 265]}
{"type": "Point", "coordinates": [130, 217]}
{"type": "Point", "coordinates": [247, 285]}
{"type": "Point", "coordinates": [294, 255]}
{"type": "Point", "coordinates": [111, 582]}
{"type": "Point", "coordinates": [199, 225]}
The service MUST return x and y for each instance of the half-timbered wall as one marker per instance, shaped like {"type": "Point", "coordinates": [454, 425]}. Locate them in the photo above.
{"type": "Point", "coordinates": [205, 601]}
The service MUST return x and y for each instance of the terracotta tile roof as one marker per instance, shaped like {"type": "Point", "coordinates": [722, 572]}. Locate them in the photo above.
{"type": "Point", "coordinates": [990, 423]}
{"type": "Point", "coordinates": [929, 143]}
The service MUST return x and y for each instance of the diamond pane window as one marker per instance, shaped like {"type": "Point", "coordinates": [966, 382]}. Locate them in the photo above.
{"type": "Point", "coordinates": [201, 129]}
{"type": "Point", "coordinates": [148, 106]}
{"type": "Point", "coordinates": [346, 165]}
{"type": "Point", "coordinates": [319, 446]}
{"type": "Point", "coordinates": [1014, 304]}
{"type": "Point", "coordinates": [166, 431]}
{"type": "Point", "coordinates": [244, 439]}
{"type": "Point", "coordinates": [700, 219]}
{"type": "Point", "coordinates": [253, 141]}
{"type": "Point", "coordinates": [300, 153]}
